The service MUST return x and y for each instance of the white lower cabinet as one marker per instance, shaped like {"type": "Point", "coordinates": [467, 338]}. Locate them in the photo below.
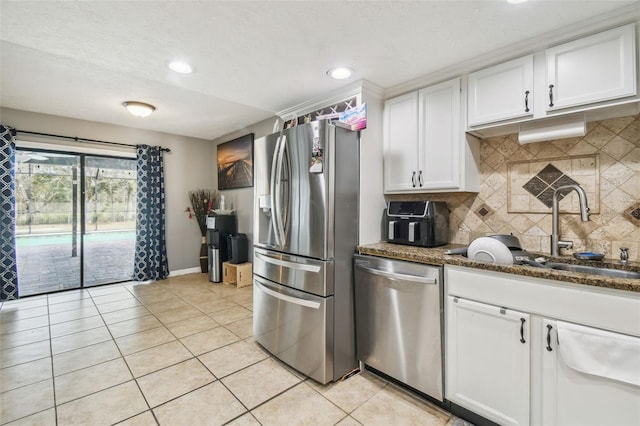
{"type": "Point", "coordinates": [522, 350]}
{"type": "Point", "coordinates": [488, 358]}
{"type": "Point", "coordinates": [573, 397]}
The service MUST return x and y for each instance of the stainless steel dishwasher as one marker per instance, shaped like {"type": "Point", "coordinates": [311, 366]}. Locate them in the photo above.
{"type": "Point", "coordinates": [399, 315]}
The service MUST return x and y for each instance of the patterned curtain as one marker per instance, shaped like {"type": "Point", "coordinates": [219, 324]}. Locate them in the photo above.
{"type": "Point", "coordinates": [8, 269]}
{"type": "Point", "coordinates": [151, 246]}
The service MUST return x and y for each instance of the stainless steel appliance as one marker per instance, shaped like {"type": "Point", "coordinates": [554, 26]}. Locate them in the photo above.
{"type": "Point", "coordinates": [399, 321]}
{"type": "Point", "coordinates": [219, 227]}
{"type": "Point", "coordinates": [305, 233]}
{"type": "Point", "coordinates": [417, 223]}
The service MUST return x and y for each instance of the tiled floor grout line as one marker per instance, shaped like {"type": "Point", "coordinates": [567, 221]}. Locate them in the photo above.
{"type": "Point", "coordinates": [53, 375]}
{"type": "Point", "coordinates": [128, 368]}
{"type": "Point", "coordinates": [197, 357]}
{"type": "Point", "coordinates": [194, 356]}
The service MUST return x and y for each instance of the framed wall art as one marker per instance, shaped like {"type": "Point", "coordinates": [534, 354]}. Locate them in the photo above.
{"type": "Point", "coordinates": [235, 163]}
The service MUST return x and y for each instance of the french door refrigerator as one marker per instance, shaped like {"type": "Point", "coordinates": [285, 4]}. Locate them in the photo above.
{"type": "Point", "coordinates": [305, 234]}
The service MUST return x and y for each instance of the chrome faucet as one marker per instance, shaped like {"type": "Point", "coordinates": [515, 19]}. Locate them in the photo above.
{"type": "Point", "coordinates": [556, 242]}
{"type": "Point", "coordinates": [624, 256]}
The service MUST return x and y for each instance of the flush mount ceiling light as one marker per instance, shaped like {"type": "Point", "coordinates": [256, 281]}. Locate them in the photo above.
{"type": "Point", "coordinates": [139, 109]}
{"type": "Point", "coordinates": [340, 73]}
{"type": "Point", "coordinates": [516, 1]}
{"type": "Point", "coordinates": [180, 67]}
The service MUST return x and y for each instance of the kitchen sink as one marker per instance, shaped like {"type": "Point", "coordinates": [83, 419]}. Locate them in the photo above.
{"type": "Point", "coordinates": [614, 273]}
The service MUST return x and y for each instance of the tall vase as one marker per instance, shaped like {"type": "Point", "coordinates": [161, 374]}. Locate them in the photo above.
{"type": "Point", "coordinates": [204, 259]}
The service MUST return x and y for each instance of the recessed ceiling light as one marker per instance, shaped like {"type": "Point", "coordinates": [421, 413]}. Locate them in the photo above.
{"type": "Point", "coordinates": [180, 67]}
{"type": "Point", "coordinates": [340, 73]}
{"type": "Point", "coordinates": [139, 109]}
{"type": "Point", "coordinates": [516, 1]}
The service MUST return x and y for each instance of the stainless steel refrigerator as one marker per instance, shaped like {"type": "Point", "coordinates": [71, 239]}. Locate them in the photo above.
{"type": "Point", "coordinates": [305, 234]}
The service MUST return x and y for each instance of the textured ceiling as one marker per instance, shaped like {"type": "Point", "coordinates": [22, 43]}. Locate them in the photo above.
{"type": "Point", "coordinates": [252, 58]}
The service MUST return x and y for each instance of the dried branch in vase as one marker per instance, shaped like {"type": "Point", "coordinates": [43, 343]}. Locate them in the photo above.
{"type": "Point", "coordinates": [202, 202]}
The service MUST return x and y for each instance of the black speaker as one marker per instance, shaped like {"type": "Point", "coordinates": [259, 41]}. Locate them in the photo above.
{"type": "Point", "coordinates": [238, 248]}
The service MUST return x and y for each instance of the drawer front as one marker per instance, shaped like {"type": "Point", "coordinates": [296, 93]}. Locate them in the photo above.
{"type": "Point", "coordinates": [309, 275]}
{"type": "Point", "coordinates": [294, 326]}
{"type": "Point", "coordinates": [616, 310]}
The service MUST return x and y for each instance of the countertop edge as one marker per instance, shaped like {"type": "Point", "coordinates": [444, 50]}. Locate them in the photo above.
{"type": "Point", "coordinates": [436, 256]}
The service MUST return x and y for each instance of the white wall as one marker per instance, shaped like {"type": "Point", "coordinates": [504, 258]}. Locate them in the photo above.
{"type": "Point", "coordinates": [190, 165]}
{"type": "Point", "coordinates": [372, 201]}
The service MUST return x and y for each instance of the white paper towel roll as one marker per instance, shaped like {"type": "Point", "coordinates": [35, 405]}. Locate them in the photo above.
{"type": "Point", "coordinates": [551, 129]}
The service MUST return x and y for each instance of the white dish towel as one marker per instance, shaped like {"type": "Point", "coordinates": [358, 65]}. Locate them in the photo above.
{"type": "Point", "coordinates": [600, 353]}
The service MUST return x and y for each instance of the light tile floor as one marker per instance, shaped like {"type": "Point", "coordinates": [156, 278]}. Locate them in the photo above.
{"type": "Point", "coordinates": [175, 352]}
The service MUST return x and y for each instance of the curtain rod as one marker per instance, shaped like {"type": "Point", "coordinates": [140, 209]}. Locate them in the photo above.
{"type": "Point", "coordinates": [77, 139]}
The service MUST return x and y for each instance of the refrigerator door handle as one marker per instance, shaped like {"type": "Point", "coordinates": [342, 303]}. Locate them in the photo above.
{"type": "Point", "coordinates": [289, 299]}
{"type": "Point", "coordinates": [277, 211]}
{"type": "Point", "coordinates": [286, 264]}
{"type": "Point", "coordinates": [272, 191]}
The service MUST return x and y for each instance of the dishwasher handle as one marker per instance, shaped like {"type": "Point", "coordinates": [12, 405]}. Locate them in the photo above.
{"type": "Point", "coordinates": [397, 276]}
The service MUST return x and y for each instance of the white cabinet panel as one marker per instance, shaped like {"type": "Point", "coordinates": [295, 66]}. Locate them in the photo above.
{"type": "Point", "coordinates": [479, 338]}
{"type": "Point", "coordinates": [401, 142]}
{"type": "Point", "coordinates": [571, 397]}
{"type": "Point", "coordinates": [592, 69]}
{"type": "Point", "coordinates": [488, 360]}
{"type": "Point", "coordinates": [501, 92]}
{"type": "Point", "coordinates": [425, 148]}
{"type": "Point", "coordinates": [439, 135]}
{"type": "Point", "coordinates": [595, 75]}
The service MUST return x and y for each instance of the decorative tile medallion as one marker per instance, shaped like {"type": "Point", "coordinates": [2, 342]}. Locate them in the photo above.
{"type": "Point", "coordinates": [632, 214]}
{"type": "Point", "coordinates": [484, 211]}
{"type": "Point", "coordinates": [531, 183]}
{"type": "Point", "coordinates": [543, 185]}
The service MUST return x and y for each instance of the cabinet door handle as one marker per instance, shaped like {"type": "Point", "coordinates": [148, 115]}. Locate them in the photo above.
{"type": "Point", "coordinates": [420, 178]}
{"type": "Point", "coordinates": [551, 95]}
{"type": "Point", "coordinates": [522, 320]}
{"type": "Point", "coordinates": [526, 101]}
{"type": "Point", "coordinates": [413, 179]}
{"type": "Point", "coordinates": [549, 337]}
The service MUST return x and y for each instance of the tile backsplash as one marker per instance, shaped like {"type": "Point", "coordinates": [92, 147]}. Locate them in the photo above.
{"type": "Point", "coordinates": [517, 180]}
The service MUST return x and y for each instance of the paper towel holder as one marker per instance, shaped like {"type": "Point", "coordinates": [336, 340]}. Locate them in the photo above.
{"type": "Point", "coordinates": [570, 126]}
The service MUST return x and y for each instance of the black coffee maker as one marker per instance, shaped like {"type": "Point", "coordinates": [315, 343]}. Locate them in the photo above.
{"type": "Point", "coordinates": [219, 228]}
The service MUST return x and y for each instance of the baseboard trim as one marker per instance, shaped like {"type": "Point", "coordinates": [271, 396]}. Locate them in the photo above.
{"type": "Point", "coordinates": [184, 271]}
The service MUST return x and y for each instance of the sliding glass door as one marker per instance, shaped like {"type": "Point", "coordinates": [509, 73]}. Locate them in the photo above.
{"type": "Point", "coordinates": [109, 219]}
{"type": "Point", "coordinates": [75, 220]}
{"type": "Point", "coordinates": [47, 221]}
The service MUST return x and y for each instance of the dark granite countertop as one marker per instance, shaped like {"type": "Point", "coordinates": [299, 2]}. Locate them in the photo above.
{"type": "Point", "coordinates": [437, 256]}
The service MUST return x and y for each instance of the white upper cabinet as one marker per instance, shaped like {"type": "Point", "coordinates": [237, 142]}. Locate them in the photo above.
{"type": "Point", "coordinates": [592, 69]}
{"type": "Point", "coordinates": [501, 92]}
{"type": "Point", "coordinates": [401, 142]}
{"type": "Point", "coordinates": [439, 136]}
{"type": "Point", "coordinates": [425, 148]}
{"type": "Point", "coordinates": [585, 75]}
